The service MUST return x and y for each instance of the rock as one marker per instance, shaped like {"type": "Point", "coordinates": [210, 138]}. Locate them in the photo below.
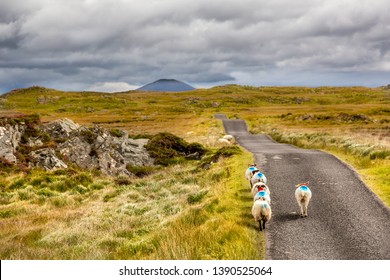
{"type": "Point", "coordinates": [10, 137]}
{"type": "Point", "coordinates": [79, 152]}
{"type": "Point", "coordinates": [96, 148]}
{"type": "Point", "coordinates": [47, 159]}
{"type": "Point", "coordinates": [62, 128]}
{"type": "Point", "coordinates": [134, 152]}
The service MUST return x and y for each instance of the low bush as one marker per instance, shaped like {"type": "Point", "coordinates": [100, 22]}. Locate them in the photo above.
{"type": "Point", "coordinates": [165, 147]}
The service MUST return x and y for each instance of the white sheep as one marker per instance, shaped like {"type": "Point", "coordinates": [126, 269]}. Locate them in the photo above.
{"type": "Point", "coordinates": [260, 186]}
{"type": "Point", "coordinates": [258, 177]}
{"type": "Point", "coordinates": [228, 137]}
{"type": "Point", "coordinates": [223, 141]}
{"type": "Point", "coordinates": [262, 213]}
{"type": "Point", "coordinates": [262, 195]}
{"type": "Point", "coordinates": [303, 196]}
{"type": "Point", "coordinates": [250, 171]}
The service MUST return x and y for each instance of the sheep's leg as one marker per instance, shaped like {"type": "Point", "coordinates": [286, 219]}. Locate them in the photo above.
{"type": "Point", "coordinates": [263, 223]}
{"type": "Point", "coordinates": [301, 207]}
{"type": "Point", "coordinates": [260, 226]}
{"type": "Point", "coordinates": [305, 209]}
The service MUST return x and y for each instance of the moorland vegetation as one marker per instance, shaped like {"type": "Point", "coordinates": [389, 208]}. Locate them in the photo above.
{"type": "Point", "coordinates": [181, 208]}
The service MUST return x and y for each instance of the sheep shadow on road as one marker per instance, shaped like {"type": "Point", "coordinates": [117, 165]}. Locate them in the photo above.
{"type": "Point", "coordinates": [285, 217]}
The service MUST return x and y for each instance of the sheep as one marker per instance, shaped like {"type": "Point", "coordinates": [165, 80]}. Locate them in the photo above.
{"type": "Point", "coordinates": [260, 186]}
{"type": "Point", "coordinates": [261, 212]}
{"type": "Point", "coordinates": [258, 177]}
{"type": "Point", "coordinates": [262, 195]}
{"type": "Point", "coordinates": [303, 196]}
{"type": "Point", "coordinates": [228, 137]}
{"type": "Point", "coordinates": [223, 141]}
{"type": "Point", "coordinates": [250, 171]}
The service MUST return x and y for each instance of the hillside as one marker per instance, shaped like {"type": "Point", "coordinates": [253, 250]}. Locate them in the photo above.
{"type": "Point", "coordinates": [166, 85]}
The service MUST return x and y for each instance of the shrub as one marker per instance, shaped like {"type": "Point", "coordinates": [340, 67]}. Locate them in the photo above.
{"type": "Point", "coordinates": [196, 148]}
{"type": "Point", "coordinates": [165, 147]}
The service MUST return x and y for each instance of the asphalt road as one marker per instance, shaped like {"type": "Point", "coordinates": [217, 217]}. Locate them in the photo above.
{"type": "Point", "coordinates": [346, 220]}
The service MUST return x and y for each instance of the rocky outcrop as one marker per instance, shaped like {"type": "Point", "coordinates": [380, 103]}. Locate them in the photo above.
{"type": "Point", "coordinates": [10, 137]}
{"type": "Point", "coordinates": [63, 142]}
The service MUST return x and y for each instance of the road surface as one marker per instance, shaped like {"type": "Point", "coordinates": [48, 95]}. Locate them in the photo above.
{"type": "Point", "coordinates": [346, 220]}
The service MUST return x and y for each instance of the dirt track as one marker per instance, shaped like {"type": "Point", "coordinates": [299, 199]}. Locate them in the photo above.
{"type": "Point", "coordinates": [346, 220]}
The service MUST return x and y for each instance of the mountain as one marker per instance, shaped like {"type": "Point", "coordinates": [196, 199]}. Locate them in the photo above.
{"type": "Point", "coordinates": [166, 85]}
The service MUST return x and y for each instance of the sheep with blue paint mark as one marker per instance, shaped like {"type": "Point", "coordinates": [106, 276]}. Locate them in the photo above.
{"type": "Point", "coordinates": [261, 212]}
{"type": "Point", "coordinates": [258, 177]}
{"type": "Point", "coordinates": [262, 195]}
{"type": "Point", "coordinates": [252, 168]}
{"type": "Point", "coordinates": [303, 195]}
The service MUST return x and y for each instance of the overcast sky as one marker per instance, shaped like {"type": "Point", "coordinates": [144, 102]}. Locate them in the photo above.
{"type": "Point", "coordinates": [115, 45]}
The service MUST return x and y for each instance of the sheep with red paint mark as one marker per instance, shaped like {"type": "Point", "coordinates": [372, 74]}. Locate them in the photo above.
{"type": "Point", "coordinates": [260, 186]}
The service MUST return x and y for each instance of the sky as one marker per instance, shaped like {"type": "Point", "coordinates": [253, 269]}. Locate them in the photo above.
{"type": "Point", "coordinates": [118, 45]}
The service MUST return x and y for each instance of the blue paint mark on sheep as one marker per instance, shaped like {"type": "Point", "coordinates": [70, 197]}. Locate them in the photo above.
{"type": "Point", "coordinates": [259, 175]}
{"type": "Point", "coordinates": [304, 188]}
{"type": "Point", "coordinates": [260, 194]}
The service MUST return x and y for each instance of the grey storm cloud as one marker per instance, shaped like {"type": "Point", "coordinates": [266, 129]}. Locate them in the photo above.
{"type": "Point", "coordinates": [78, 45]}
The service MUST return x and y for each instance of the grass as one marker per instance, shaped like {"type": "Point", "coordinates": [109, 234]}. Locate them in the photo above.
{"type": "Point", "coordinates": [187, 209]}
{"type": "Point", "coordinates": [100, 219]}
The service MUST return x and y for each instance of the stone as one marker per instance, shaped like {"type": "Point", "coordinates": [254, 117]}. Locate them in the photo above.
{"type": "Point", "coordinates": [62, 128]}
{"type": "Point", "coordinates": [47, 159]}
{"type": "Point", "coordinates": [10, 137]}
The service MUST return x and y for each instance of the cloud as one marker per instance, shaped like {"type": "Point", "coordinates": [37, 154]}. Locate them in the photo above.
{"type": "Point", "coordinates": [112, 87]}
{"type": "Point", "coordinates": [97, 44]}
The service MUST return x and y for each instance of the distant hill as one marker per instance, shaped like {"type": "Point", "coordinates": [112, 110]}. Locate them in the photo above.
{"type": "Point", "coordinates": [166, 85]}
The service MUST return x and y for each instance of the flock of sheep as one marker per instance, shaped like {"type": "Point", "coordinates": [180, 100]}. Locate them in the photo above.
{"type": "Point", "coordinates": [261, 209]}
